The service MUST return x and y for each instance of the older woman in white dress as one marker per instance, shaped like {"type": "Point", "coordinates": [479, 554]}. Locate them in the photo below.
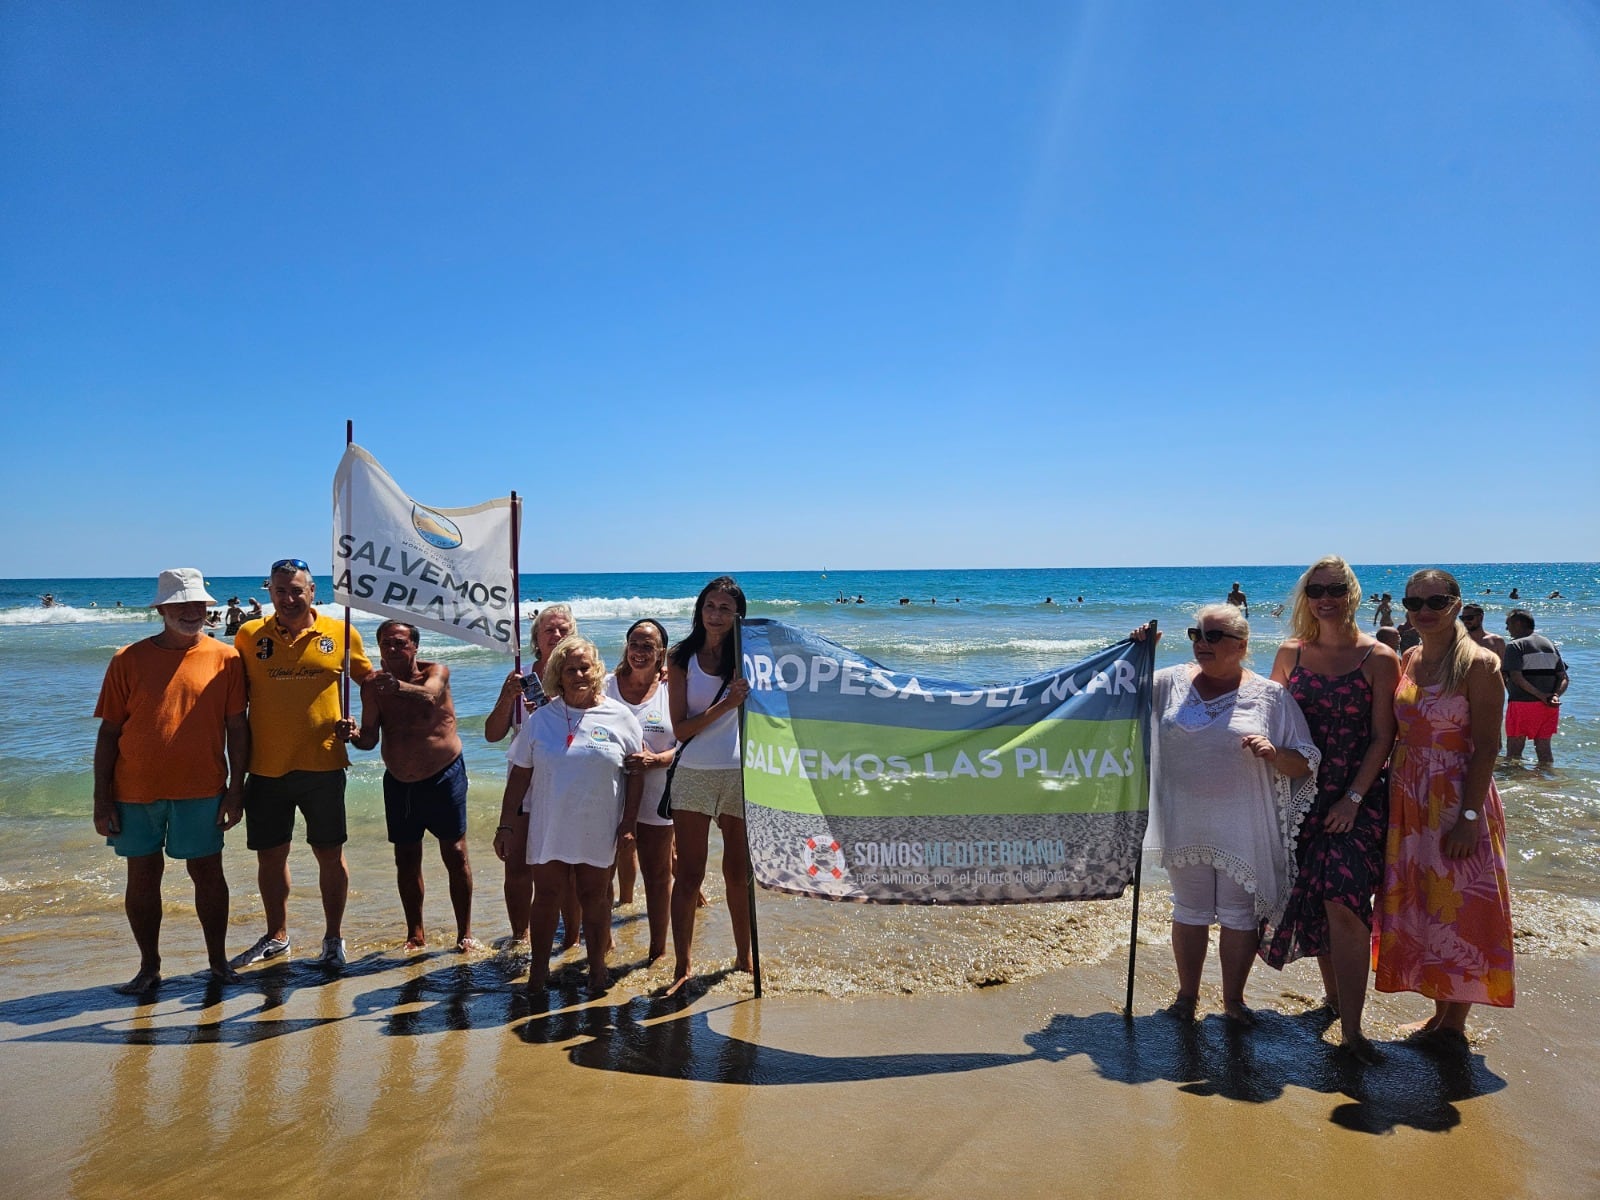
{"type": "Point", "coordinates": [581, 803]}
{"type": "Point", "coordinates": [1234, 772]}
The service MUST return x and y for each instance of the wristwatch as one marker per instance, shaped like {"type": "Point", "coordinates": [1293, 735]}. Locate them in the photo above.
{"type": "Point", "coordinates": [1354, 797]}
{"type": "Point", "coordinates": [1469, 814]}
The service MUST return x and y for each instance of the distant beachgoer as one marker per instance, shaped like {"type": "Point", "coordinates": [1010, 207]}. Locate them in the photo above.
{"type": "Point", "coordinates": [1343, 681]}
{"type": "Point", "coordinates": [407, 705]}
{"type": "Point", "coordinates": [1407, 633]}
{"type": "Point", "coordinates": [1512, 595]}
{"type": "Point", "coordinates": [905, 599]}
{"type": "Point", "coordinates": [1556, 595]}
{"type": "Point", "coordinates": [1239, 600]}
{"type": "Point", "coordinates": [1535, 678]}
{"type": "Point", "coordinates": [553, 625]}
{"type": "Point", "coordinates": [1472, 618]}
{"type": "Point", "coordinates": [1389, 636]}
{"type": "Point", "coordinates": [1048, 600]}
{"type": "Point", "coordinates": [214, 617]}
{"type": "Point", "coordinates": [1233, 771]}
{"type": "Point", "coordinates": [233, 618]}
{"type": "Point", "coordinates": [861, 599]}
{"type": "Point", "coordinates": [119, 603]}
{"type": "Point", "coordinates": [253, 614]}
{"type": "Point", "coordinates": [704, 692]}
{"type": "Point", "coordinates": [1079, 600]}
{"type": "Point", "coordinates": [169, 764]}
{"type": "Point", "coordinates": [583, 804]}
{"type": "Point", "coordinates": [1383, 614]}
{"type": "Point", "coordinates": [47, 600]}
{"type": "Point", "coordinates": [1443, 921]}
{"type": "Point", "coordinates": [294, 663]}
{"type": "Point", "coordinates": [637, 684]}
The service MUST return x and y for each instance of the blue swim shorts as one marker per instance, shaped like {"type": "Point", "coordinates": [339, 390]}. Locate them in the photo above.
{"type": "Point", "coordinates": [184, 828]}
{"type": "Point", "coordinates": [436, 805]}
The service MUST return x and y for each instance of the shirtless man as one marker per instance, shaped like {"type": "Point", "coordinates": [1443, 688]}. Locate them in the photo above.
{"type": "Point", "coordinates": [1472, 618]}
{"type": "Point", "coordinates": [1239, 600]}
{"type": "Point", "coordinates": [408, 705]}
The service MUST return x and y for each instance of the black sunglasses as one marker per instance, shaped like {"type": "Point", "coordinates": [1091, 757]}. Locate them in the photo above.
{"type": "Point", "coordinates": [1213, 636]}
{"type": "Point", "coordinates": [296, 564]}
{"type": "Point", "coordinates": [1437, 603]}
{"type": "Point", "coordinates": [1316, 591]}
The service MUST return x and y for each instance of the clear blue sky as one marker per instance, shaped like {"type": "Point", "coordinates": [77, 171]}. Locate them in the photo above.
{"type": "Point", "coordinates": [855, 285]}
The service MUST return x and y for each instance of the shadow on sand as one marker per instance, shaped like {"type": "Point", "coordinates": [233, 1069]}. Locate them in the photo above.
{"type": "Point", "coordinates": [673, 1038]}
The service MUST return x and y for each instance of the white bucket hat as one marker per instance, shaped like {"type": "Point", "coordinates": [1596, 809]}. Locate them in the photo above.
{"type": "Point", "coordinates": [182, 585]}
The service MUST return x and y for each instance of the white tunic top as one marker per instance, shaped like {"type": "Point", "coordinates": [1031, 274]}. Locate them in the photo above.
{"type": "Point", "coordinates": [576, 798]}
{"type": "Point", "coordinates": [1212, 801]}
{"type": "Point", "coordinates": [655, 719]}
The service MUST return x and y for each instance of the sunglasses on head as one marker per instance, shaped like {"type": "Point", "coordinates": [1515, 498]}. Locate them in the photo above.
{"type": "Point", "coordinates": [1437, 603]}
{"type": "Point", "coordinates": [1213, 636]}
{"type": "Point", "coordinates": [292, 564]}
{"type": "Point", "coordinates": [1316, 591]}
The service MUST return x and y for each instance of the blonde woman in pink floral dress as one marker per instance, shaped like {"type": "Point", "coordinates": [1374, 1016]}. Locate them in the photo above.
{"type": "Point", "coordinates": [1443, 925]}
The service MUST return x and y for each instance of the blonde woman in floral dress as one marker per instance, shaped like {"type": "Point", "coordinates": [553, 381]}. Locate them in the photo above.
{"type": "Point", "coordinates": [1443, 925]}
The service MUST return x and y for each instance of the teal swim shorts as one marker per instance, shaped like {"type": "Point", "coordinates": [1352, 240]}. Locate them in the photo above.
{"type": "Point", "coordinates": [184, 828]}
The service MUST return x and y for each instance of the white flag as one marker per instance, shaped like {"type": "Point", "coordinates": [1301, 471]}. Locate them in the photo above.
{"type": "Point", "coordinates": [444, 569]}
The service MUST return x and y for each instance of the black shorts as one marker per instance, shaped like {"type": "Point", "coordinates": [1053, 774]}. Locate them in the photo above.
{"type": "Point", "coordinates": [436, 805]}
{"type": "Point", "coordinates": [270, 801]}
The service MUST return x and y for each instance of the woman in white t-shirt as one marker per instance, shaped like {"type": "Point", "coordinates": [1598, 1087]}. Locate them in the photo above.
{"type": "Point", "coordinates": [638, 685]}
{"type": "Point", "coordinates": [568, 762]}
{"type": "Point", "coordinates": [704, 692]}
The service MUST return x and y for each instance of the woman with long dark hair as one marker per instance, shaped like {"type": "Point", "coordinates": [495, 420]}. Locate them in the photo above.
{"type": "Point", "coordinates": [704, 692]}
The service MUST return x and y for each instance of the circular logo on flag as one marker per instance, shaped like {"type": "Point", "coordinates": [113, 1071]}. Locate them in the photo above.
{"type": "Point", "coordinates": [435, 528]}
{"type": "Point", "coordinates": [823, 856]}
{"type": "Point", "coordinates": [325, 644]}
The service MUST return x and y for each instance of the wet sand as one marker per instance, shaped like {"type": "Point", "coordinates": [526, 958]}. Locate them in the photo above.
{"type": "Point", "coordinates": [435, 1076]}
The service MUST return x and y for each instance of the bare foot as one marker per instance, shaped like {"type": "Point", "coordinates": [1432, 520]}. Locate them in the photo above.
{"type": "Point", "coordinates": [1236, 1012]}
{"type": "Point", "coordinates": [1360, 1049]}
{"type": "Point", "coordinates": [1182, 1008]}
{"type": "Point", "coordinates": [1419, 1029]}
{"type": "Point", "coordinates": [700, 900]}
{"type": "Point", "coordinates": [414, 944]}
{"type": "Point", "coordinates": [743, 964]}
{"type": "Point", "coordinates": [144, 981]}
{"type": "Point", "coordinates": [1332, 1005]}
{"type": "Point", "coordinates": [467, 944]}
{"type": "Point", "coordinates": [654, 955]}
{"type": "Point", "coordinates": [680, 979]}
{"type": "Point", "coordinates": [223, 973]}
{"type": "Point", "coordinates": [599, 981]}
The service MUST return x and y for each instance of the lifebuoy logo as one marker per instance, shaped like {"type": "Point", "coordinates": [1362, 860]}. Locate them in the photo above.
{"type": "Point", "coordinates": [823, 856]}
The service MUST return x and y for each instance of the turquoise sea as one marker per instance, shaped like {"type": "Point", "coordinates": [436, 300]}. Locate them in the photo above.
{"type": "Point", "coordinates": [975, 626]}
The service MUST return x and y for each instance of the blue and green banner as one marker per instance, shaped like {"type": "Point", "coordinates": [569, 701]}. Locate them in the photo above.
{"type": "Point", "coordinates": [866, 784]}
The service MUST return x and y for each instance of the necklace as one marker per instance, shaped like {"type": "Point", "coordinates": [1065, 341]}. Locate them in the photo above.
{"type": "Point", "coordinates": [572, 728]}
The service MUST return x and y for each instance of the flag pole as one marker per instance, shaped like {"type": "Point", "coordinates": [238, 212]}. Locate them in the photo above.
{"type": "Point", "coordinates": [516, 596]}
{"type": "Point", "coordinates": [755, 938]}
{"type": "Point", "coordinates": [344, 681]}
{"type": "Point", "coordinates": [1146, 671]}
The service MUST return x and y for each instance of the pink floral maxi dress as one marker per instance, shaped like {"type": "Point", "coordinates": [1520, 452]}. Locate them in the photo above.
{"type": "Point", "coordinates": [1443, 925]}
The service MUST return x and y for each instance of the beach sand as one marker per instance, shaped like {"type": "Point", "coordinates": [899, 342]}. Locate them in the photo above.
{"type": "Point", "coordinates": [433, 1076]}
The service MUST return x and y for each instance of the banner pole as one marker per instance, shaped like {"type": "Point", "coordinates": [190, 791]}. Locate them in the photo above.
{"type": "Point", "coordinates": [1145, 673]}
{"type": "Point", "coordinates": [755, 938]}
{"type": "Point", "coordinates": [344, 682]}
{"type": "Point", "coordinates": [516, 593]}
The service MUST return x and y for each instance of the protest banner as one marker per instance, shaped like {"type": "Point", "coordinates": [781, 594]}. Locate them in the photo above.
{"type": "Point", "coordinates": [449, 570]}
{"type": "Point", "coordinates": [867, 784]}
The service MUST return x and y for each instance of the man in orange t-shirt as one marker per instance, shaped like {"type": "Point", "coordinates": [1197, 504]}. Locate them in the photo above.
{"type": "Point", "coordinates": [169, 707]}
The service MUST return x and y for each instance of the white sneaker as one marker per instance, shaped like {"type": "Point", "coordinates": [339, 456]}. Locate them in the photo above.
{"type": "Point", "coordinates": [333, 954]}
{"type": "Point", "coordinates": [266, 947]}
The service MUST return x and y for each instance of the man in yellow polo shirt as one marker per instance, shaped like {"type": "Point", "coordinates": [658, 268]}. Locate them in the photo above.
{"type": "Point", "coordinates": [293, 661]}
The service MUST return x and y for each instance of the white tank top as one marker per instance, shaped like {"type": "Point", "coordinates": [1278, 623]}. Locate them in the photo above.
{"type": "Point", "coordinates": [716, 747]}
{"type": "Point", "coordinates": [655, 718]}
